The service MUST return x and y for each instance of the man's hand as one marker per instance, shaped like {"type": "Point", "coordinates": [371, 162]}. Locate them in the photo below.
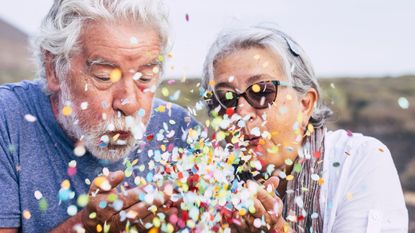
{"type": "Point", "coordinates": [267, 205]}
{"type": "Point", "coordinates": [130, 208]}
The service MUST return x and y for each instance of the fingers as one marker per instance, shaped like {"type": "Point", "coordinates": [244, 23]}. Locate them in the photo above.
{"type": "Point", "coordinates": [272, 184]}
{"type": "Point", "coordinates": [106, 183]}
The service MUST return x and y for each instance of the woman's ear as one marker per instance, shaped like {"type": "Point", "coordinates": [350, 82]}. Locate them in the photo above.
{"type": "Point", "coordinates": [308, 102]}
{"type": "Point", "coordinates": [50, 73]}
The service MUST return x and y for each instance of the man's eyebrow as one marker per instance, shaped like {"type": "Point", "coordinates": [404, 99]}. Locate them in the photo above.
{"type": "Point", "coordinates": [100, 61]}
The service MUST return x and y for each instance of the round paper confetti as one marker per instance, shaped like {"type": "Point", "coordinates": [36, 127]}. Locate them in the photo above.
{"type": "Point", "coordinates": [30, 118]}
{"type": "Point", "coordinates": [403, 103]}
{"type": "Point", "coordinates": [67, 110]}
{"type": "Point", "coordinates": [256, 88]}
{"type": "Point", "coordinates": [27, 214]}
{"type": "Point", "coordinates": [38, 195]}
{"type": "Point", "coordinates": [79, 150]}
{"type": "Point", "coordinates": [115, 75]}
{"type": "Point", "coordinates": [72, 210]}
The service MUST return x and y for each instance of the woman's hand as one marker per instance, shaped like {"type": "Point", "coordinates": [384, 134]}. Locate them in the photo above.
{"type": "Point", "coordinates": [267, 206]}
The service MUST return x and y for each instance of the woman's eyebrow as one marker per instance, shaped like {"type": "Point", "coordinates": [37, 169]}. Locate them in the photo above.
{"type": "Point", "coordinates": [256, 78]}
{"type": "Point", "coordinates": [224, 85]}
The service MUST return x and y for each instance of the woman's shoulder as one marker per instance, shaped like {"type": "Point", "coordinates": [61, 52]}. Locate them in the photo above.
{"type": "Point", "coordinates": [344, 144]}
{"type": "Point", "coordinates": [361, 181]}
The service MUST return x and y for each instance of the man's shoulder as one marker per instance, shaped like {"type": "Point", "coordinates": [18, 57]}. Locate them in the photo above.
{"type": "Point", "coordinates": [12, 95]}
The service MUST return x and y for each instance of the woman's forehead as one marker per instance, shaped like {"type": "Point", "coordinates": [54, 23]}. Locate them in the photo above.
{"type": "Point", "coordinates": [247, 66]}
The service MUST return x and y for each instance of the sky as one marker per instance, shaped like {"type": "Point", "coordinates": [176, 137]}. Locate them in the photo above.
{"type": "Point", "coordinates": [343, 38]}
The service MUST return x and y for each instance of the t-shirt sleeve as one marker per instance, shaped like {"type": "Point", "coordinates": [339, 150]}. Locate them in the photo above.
{"type": "Point", "coordinates": [9, 189]}
{"type": "Point", "coordinates": [372, 199]}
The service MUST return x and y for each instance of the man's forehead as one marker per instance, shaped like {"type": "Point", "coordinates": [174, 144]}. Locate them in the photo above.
{"type": "Point", "coordinates": [120, 35]}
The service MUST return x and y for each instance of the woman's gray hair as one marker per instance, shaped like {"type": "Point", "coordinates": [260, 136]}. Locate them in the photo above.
{"type": "Point", "coordinates": [295, 63]}
{"type": "Point", "coordinates": [61, 28]}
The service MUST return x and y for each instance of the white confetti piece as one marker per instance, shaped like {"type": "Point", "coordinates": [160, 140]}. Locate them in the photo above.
{"type": "Point", "coordinates": [30, 118]}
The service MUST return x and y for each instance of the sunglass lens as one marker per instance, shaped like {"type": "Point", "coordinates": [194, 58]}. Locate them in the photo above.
{"type": "Point", "coordinates": [261, 94]}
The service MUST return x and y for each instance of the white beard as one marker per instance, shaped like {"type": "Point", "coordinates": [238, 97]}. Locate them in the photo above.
{"type": "Point", "coordinates": [90, 136]}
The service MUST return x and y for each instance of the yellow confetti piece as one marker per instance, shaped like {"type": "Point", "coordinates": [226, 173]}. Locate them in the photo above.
{"type": "Point", "coordinates": [290, 177]}
{"type": "Point", "coordinates": [256, 88]}
{"type": "Point", "coordinates": [103, 183]}
{"type": "Point", "coordinates": [321, 181]}
{"type": "Point", "coordinates": [67, 111]}
{"type": "Point", "coordinates": [27, 214]}
{"type": "Point", "coordinates": [115, 137]}
{"type": "Point", "coordinates": [243, 212]}
{"type": "Point", "coordinates": [65, 184]}
{"type": "Point", "coordinates": [115, 75]}
{"type": "Point", "coordinates": [349, 196]}
{"type": "Point", "coordinates": [99, 228]}
{"type": "Point", "coordinates": [165, 91]}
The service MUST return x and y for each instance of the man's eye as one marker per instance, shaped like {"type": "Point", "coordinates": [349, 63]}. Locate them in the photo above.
{"type": "Point", "coordinates": [102, 78]}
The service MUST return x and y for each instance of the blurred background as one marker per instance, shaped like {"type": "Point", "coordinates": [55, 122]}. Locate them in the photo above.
{"type": "Point", "coordinates": [362, 52]}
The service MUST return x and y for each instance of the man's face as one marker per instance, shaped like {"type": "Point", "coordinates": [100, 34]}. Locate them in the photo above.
{"type": "Point", "coordinates": [110, 87]}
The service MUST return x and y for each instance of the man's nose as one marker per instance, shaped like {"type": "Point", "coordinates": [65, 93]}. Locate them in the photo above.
{"type": "Point", "coordinates": [126, 98]}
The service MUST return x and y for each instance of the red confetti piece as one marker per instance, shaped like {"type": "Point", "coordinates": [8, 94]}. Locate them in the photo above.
{"type": "Point", "coordinates": [317, 154]}
{"type": "Point", "coordinates": [349, 133]}
{"type": "Point", "coordinates": [230, 111]}
{"type": "Point", "coordinates": [150, 137]}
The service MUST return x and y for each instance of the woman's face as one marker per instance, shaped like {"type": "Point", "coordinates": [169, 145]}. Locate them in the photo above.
{"type": "Point", "coordinates": [281, 124]}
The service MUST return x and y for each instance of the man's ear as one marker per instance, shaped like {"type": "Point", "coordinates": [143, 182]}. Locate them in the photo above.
{"type": "Point", "coordinates": [308, 102]}
{"type": "Point", "coordinates": [50, 73]}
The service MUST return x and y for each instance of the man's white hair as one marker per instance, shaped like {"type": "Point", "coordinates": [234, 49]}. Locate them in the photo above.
{"type": "Point", "coordinates": [61, 28]}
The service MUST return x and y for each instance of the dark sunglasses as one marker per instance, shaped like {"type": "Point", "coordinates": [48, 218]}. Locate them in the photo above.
{"type": "Point", "coordinates": [259, 95]}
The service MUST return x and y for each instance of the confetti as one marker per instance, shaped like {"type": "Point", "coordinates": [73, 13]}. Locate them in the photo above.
{"type": "Point", "coordinates": [38, 195]}
{"type": "Point", "coordinates": [403, 103]}
{"type": "Point", "coordinates": [27, 214]}
{"type": "Point", "coordinates": [133, 40]}
{"type": "Point", "coordinates": [256, 88]}
{"type": "Point", "coordinates": [84, 105]}
{"type": "Point", "coordinates": [115, 75]}
{"type": "Point", "coordinates": [30, 118]}
{"type": "Point", "coordinates": [67, 110]}
{"type": "Point", "coordinates": [72, 210]}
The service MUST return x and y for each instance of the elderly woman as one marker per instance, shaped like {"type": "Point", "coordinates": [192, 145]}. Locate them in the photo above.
{"type": "Point", "coordinates": [328, 181]}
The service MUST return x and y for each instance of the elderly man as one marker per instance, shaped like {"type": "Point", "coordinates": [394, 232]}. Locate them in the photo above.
{"type": "Point", "coordinates": [90, 113]}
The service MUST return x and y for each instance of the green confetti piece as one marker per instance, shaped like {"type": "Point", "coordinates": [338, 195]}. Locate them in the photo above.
{"type": "Point", "coordinates": [43, 205]}
{"type": "Point", "coordinates": [112, 197]}
{"type": "Point", "coordinates": [83, 200]}
{"type": "Point", "coordinates": [297, 167]}
{"type": "Point", "coordinates": [229, 95]}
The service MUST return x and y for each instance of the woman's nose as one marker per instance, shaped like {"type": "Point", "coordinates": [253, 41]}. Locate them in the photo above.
{"type": "Point", "coordinates": [244, 109]}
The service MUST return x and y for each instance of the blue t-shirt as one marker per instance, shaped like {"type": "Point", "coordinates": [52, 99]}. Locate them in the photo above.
{"type": "Point", "coordinates": [34, 156]}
